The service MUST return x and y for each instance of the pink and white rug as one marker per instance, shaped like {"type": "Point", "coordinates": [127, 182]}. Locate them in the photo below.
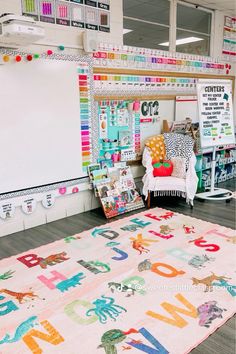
{"type": "Point", "coordinates": [157, 282]}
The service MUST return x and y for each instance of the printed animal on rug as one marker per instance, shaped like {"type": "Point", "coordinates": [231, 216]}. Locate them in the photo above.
{"type": "Point", "coordinates": [105, 267]}
{"type": "Point", "coordinates": [232, 240]}
{"type": "Point", "coordinates": [145, 265]}
{"type": "Point", "coordinates": [167, 215]}
{"type": "Point", "coordinates": [112, 244]}
{"type": "Point", "coordinates": [69, 239]}
{"type": "Point", "coordinates": [165, 229]}
{"type": "Point", "coordinates": [139, 242]}
{"type": "Point", "coordinates": [7, 275]}
{"type": "Point", "coordinates": [134, 341]}
{"type": "Point", "coordinates": [132, 228]}
{"type": "Point", "coordinates": [53, 259]}
{"type": "Point", "coordinates": [105, 307]}
{"type": "Point", "coordinates": [112, 337]}
{"type": "Point", "coordinates": [97, 232]}
{"type": "Point", "coordinates": [20, 296]}
{"type": "Point", "coordinates": [198, 262]}
{"type": "Point", "coordinates": [126, 347]}
{"type": "Point", "coordinates": [21, 330]}
{"type": "Point", "coordinates": [71, 282]}
{"type": "Point", "coordinates": [121, 288]}
{"type": "Point", "coordinates": [208, 312]}
{"type": "Point", "coordinates": [188, 230]}
{"type": "Point", "coordinates": [208, 281]}
{"type": "Point", "coordinates": [196, 239]}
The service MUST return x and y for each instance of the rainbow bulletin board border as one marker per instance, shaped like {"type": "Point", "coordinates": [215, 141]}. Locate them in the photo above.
{"type": "Point", "coordinates": [154, 282]}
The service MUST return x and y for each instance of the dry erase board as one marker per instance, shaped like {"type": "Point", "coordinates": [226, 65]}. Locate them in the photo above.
{"type": "Point", "coordinates": [186, 107]}
{"type": "Point", "coordinates": [40, 135]}
{"type": "Point", "coordinates": [155, 112]}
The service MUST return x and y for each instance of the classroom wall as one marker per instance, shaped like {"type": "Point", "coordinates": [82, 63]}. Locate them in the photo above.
{"type": "Point", "coordinates": [83, 201]}
{"type": "Point", "coordinates": [69, 37]}
{"type": "Point", "coordinates": [217, 46]}
{"type": "Point", "coordinates": [56, 34]}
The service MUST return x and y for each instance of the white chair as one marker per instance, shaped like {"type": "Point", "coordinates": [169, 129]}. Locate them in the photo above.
{"type": "Point", "coordinates": [171, 186]}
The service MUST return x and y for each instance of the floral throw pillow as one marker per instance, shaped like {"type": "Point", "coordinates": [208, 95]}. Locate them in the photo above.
{"type": "Point", "coordinates": [179, 167]}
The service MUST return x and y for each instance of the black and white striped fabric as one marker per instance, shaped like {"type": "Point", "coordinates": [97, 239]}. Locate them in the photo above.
{"type": "Point", "coordinates": [178, 145]}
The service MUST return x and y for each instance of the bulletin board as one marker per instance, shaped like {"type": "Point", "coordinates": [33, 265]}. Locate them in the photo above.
{"type": "Point", "coordinates": [115, 127]}
{"type": "Point", "coordinates": [45, 122]}
{"type": "Point", "coordinates": [158, 90]}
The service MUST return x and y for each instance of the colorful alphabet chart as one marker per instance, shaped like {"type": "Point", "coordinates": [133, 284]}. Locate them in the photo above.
{"type": "Point", "coordinates": [90, 14]}
{"type": "Point", "coordinates": [215, 112]}
{"type": "Point", "coordinates": [136, 83]}
{"type": "Point", "coordinates": [140, 58]}
{"type": "Point", "coordinates": [85, 114]}
{"type": "Point", "coordinates": [137, 133]}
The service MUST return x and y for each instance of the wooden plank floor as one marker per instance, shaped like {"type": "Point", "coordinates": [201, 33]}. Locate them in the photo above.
{"type": "Point", "coordinates": [223, 340]}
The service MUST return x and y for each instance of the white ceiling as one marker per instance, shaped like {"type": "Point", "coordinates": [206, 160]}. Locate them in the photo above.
{"type": "Point", "coordinates": [226, 6]}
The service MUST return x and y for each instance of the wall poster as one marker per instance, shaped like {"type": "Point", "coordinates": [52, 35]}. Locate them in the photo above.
{"type": "Point", "coordinates": [215, 112]}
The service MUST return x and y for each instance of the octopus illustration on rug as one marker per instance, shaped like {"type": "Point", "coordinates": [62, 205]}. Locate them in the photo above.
{"type": "Point", "coordinates": [105, 307]}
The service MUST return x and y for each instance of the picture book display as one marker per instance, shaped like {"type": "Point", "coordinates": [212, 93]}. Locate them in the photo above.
{"type": "Point", "coordinates": [116, 189]}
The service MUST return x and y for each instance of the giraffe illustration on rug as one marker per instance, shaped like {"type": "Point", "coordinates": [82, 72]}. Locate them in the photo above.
{"type": "Point", "coordinates": [20, 296]}
{"type": "Point", "coordinates": [208, 281]}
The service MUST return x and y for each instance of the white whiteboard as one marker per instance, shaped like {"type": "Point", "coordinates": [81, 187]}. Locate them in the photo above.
{"type": "Point", "coordinates": [186, 107]}
{"type": "Point", "coordinates": [40, 141]}
{"type": "Point", "coordinates": [166, 111]}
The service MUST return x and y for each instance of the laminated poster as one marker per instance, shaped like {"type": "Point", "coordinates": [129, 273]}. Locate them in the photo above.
{"type": "Point", "coordinates": [215, 112]}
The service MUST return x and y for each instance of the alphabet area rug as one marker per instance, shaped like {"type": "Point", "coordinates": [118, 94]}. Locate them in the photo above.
{"type": "Point", "coordinates": [157, 282]}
